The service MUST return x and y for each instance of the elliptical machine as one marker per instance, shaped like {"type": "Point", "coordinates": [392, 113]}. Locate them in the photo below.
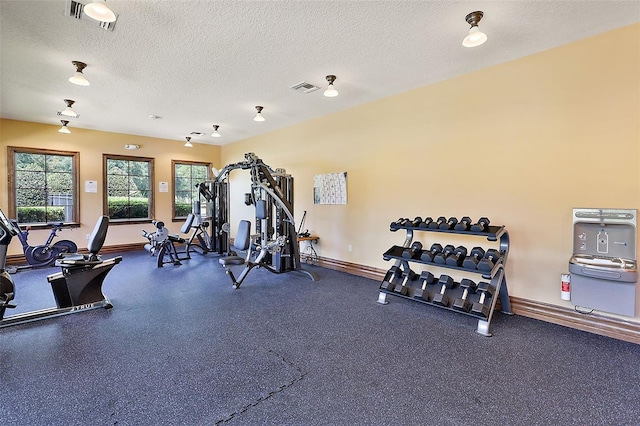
{"type": "Point", "coordinates": [77, 288]}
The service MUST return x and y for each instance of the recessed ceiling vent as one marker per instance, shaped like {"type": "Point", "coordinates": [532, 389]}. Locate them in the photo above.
{"type": "Point", "coordinates": [74, 9]}
{"type": "Point", "coordinates": [197, 133]}
{"type": "Point", "coordinates": [304, 87]}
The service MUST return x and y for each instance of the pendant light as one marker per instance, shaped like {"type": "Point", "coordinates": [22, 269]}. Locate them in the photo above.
{"type": "Point", "coordinates": [68, 112]}
{"type": "Point", "coordinates": [258, 116]}
{"type": "Point", "coordinates": [99, 11]}
{"type": "Point", "coordinates": [331, 92]}
{"type": "Point", "coordinates": [78, 78]}
{"type": "Point", "coordinates": [64, 128]}
{"type": "Point", "coordinates": [215, 133]}
{"type": "Point", "coordinates": [475, 36]}
{"type": "Point", "coordinates": [188, 144]}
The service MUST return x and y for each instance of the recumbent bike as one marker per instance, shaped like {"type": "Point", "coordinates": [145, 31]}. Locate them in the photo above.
{"type": "Point", "coordinates": [76, 288]}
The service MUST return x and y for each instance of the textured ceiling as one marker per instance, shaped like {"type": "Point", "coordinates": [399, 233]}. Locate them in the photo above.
{"type": "Point", "coordinates": [197, 63]}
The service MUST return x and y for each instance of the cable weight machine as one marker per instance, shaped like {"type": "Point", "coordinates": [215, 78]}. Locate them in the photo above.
{"type": "Point", "coordinates": [276, 245]}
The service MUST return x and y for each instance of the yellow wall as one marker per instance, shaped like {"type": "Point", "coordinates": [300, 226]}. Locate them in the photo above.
{"type": "Point", "coordinates": [523, 143]}
{"type": "Point", "coordinates": [91, 145]}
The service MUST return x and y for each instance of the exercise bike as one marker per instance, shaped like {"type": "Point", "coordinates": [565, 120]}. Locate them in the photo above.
{"type": "Point", "coordinates": [45, 254]}
{"type": "Point", "coordinates": [77, 288]}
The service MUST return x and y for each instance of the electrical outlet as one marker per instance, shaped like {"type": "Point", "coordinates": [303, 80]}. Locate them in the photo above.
{"type": "Point", "coordinates": [349, 248]}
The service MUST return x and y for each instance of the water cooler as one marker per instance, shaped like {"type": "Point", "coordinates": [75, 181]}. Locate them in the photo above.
{"type": "Point", "coordinates": [603, 266]}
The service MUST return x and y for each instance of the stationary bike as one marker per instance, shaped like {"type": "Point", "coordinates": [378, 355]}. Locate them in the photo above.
{"type": "Point", "coordinates": [47, 253]}
{"type": "Point", "coordinates": [76, 288]}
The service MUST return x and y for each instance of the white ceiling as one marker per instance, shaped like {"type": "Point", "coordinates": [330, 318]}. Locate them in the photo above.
{"type": "Point", "coordinates": [197, 63]}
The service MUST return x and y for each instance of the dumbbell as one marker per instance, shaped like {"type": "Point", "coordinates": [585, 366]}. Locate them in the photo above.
{"type": "Point", "coordinates": [481, 226]}
{"type": "Point", "coordinates": [464, 224]}
{"type": "Point", "coordinates": [427, 256]}
{"type": "Point", "coordinates": [445, 282]}
{"type": "Point", "coordinates": [421, 293]}
{"type": "Point", "coordinates": [415, 222]}
{"type": "Point", "coordinates": [457, 257]}
{"type": "Point", "coordinates": [393, 274]}
{"type": "Point", "coordinates": [406, 277]}
{"type": "Point", "coordinates": [486, 292]}
{"type": "Point", "coordinates": [491, 257]}
{"type": "Point", "coordinates": [449, 224]}
{"type": "Point", "coordinates": [425, 223]}
{"type": "Point", "coordinates": [441, 258]}
{"type": "Point", "coordinates": [412, 251]}
{"type": "Point", "coordinates": [471, 261]}
{"type": "Point", "coordinates": [438, 222]}
{"type": "Point", "coordinates": [461, 303]}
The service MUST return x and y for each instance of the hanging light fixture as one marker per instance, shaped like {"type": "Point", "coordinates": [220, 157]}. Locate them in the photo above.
{"type": "Point", "coordinates": [68, 111]}
{"type": "Point", "coordinates": [78, 77]}
{"type": "Point", "coordinates": [64, 128]}
{"type": "Point", "coordinates": [258, 116]}
{"type": "Point", "coordinates": [99, 11]}
{"type": "Point", "coordinates": [215, 133]}
{"type": "Point", "coordinates": [188, 144]}
{"type": "Point", "coordinates": [475, 36]}
{"type": "Point", "coordinates": [331, 92]}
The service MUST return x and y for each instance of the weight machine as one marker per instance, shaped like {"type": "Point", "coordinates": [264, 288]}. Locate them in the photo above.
{"type": "Point", "coordinates": [276, 243]}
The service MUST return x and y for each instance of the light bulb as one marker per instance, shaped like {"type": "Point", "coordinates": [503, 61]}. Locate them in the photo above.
{"type": "Point", "coordinates": [331, 92]}
{"type": "Point", "coordinates": [99, 11]}
{"type": "Point", "coordinates": [79, 79]}
{"type": "Point", "coordinates": [259, 116]}
{"type": "Point", "coordinates": [69, 112]}
{"type": "Point", "coordinates": [215, 133]}
{"type": "Point", "coordinates": [474, 38]}
{"type": "Point", "coordinates": [64, 128]}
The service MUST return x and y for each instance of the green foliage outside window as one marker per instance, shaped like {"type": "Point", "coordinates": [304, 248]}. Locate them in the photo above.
{"type": "Point", "coordinates": [44, 187]}
{"type": "Point", "coordinates": [128, 188]}
{"type": "Point", "coordinates": [186, 177]}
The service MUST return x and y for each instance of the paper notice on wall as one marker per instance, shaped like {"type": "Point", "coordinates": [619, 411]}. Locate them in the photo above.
{"type": "Point", "coordinates": [330, 188]}
{"type": "Point", "coordinates": [90, 186]}
{"type": "Point", "coordinates": [163, 186]}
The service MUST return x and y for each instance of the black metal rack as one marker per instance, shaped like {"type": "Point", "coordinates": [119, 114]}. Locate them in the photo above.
{"type": "Point", "coordinates": [495, 278]}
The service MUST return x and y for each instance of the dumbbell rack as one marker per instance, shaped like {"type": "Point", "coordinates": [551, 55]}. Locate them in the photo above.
{"type": "Point", "coordinates": [496, 275]}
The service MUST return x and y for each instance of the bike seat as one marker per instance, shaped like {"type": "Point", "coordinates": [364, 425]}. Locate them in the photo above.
{"type": "Point", "coordinates": [55, 224]}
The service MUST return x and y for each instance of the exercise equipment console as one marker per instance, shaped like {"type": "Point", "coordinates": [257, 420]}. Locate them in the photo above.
{"type": "Point", "coordinates": [77, 288]}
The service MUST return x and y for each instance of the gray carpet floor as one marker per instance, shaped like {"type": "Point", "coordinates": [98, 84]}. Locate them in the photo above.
{"type": "Point", "coordinates": [182, 347]}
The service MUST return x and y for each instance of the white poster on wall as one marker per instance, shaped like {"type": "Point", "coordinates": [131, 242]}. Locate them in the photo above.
{"type": "Point", "coordinates": [163, 186]}
{"type": "Point", "coordinates": [90, 186]}
{"type": "Point", "coordinates": [330, 188]}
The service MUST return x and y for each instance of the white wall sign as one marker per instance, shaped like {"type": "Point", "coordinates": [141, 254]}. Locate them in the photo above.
{"type": "Point", "coordinates": [163, 186]}
{"type": "Point", "coordinates": [90, 186]}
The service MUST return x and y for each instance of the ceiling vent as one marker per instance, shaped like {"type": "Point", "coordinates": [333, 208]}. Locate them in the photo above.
{"type": "Point", "coordinates": [304, 87]}
{"type": "Point", "coordinates": [197, 133]}
{"type": "Point", "coordinates": [74, 9]}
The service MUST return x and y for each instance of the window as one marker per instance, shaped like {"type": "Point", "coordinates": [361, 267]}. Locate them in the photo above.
{"type": "Point", "coordinates": [186, 175]}
{"type": "Point", "coordinates": [128, 188]}
{"type": "Point", "coordinates": [43, 185]}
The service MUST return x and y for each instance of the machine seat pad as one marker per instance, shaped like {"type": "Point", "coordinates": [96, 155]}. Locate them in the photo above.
{"type": "Point", "coordinates": [176, 239]}
{"type": "Point", "coordinates": [231, 260]}
{"type": "Point", "coordinates": [79, 260]}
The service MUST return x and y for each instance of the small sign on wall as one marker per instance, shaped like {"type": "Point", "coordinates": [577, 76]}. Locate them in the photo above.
{"type": "Point", "coordinates": [163, 186]}
{"type": "Point", "coordinates": [90, 186]}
